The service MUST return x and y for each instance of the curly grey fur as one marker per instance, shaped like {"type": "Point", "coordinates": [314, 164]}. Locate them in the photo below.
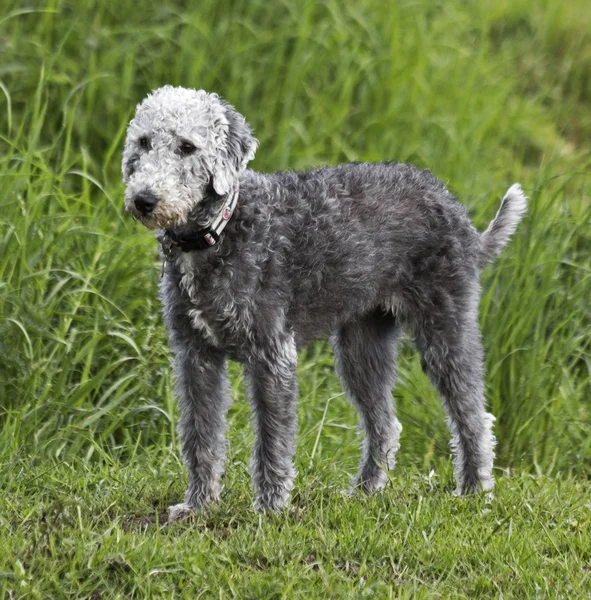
{"type": "Point", "coordinates": [358, 251]}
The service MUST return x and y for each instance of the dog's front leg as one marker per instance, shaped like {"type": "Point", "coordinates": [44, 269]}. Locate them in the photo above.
{"type": "Point", "coordinates": [203, 393]}
{"type": "Point", "coordinates": [273, 391]}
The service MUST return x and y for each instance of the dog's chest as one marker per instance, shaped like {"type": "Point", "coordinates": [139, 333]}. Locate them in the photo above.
{"type": "Point", "coordinates": [216, 310]}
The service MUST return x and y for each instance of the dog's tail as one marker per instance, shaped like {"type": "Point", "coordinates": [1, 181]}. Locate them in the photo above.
{"type": "Point", "coordinates": [503, 226]}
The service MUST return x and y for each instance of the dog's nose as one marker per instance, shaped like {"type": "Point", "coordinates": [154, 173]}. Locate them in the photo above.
{"type": "Point", "coordinates": [145, 202]}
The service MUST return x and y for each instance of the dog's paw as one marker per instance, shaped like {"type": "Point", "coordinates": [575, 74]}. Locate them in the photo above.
{"type": "Point", "coordinates": [475, 487]}
{"type": "Point", "coordinates": [272, 502]}
{"type": "Point", "coordinates": [178, 513]}
{"type": "Point", "coordinates": [367, 484]}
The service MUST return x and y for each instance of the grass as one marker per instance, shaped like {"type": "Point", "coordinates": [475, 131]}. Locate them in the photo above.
{"type": "Point", "coordinates": [99, 529]}
{"type": "Point", "coordinates": [484, 94]}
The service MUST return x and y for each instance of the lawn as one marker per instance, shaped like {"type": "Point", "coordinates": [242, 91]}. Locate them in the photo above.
{"type": "Point", "coordinates": [482, 93]}
{"type": "Point", "coordinates": [99, 530]}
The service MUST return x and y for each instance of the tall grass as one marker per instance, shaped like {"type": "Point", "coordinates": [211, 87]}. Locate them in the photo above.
{"type": "Point", "coordinates": [484, 94]}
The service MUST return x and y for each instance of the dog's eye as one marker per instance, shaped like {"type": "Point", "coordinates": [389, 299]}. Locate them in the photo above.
{"type": "Point", "coordinates": [187, 148]}
{"type": "Point", "coordinates": [144, 143]}
{"type": "Point", "coordinates": [131, 164]}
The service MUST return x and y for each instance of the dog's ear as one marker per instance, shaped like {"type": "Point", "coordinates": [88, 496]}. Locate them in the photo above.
{"type": "Point", "coordinates": [238, 149]}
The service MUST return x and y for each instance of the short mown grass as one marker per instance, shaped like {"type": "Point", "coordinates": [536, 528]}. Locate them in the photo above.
{"type": "Point", "coordinates": [482, 93]}
{"type": "Point", "coordinates": [74, 529]}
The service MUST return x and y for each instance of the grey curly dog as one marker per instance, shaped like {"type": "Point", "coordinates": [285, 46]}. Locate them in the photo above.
{"type": "Point", "coordinates": [259, 264]}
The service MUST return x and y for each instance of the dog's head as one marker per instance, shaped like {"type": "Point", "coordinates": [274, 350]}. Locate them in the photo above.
{"type": "Point", "coordinates": [179, 143]}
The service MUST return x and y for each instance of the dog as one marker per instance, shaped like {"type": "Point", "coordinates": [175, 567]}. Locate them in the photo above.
{"type": "Point", "coordinates": [256, 265]}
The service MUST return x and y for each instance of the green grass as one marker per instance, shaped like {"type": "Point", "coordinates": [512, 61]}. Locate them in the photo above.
{"type": "Point", "coordinates": [484, 94]}
{"type": "Point", "coordinates": [99, 530]}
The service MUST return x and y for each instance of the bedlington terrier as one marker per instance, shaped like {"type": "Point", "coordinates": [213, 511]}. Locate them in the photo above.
{"type": "Point", "coordinates": [258, 264]}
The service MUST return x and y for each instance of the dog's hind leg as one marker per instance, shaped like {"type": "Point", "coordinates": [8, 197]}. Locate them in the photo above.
{"type": "Point", "coordinates": [452, 356]}
{"type": "Point", "coordinates": [366, 353]}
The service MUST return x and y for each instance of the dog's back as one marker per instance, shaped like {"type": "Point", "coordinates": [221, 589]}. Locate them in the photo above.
{"type": "Point", "coordinates": [364, 235]}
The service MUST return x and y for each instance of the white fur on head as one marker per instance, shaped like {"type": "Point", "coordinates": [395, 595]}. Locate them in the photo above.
{"type": "Point", "coordinates": [166, 118]}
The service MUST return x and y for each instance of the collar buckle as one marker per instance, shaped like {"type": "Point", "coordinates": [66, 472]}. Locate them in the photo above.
{"type": "Point", "coordinates": [209, 237]}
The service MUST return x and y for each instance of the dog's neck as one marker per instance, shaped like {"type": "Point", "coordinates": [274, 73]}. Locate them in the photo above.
{"type": "Point", "coordinates": [204, 226]}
